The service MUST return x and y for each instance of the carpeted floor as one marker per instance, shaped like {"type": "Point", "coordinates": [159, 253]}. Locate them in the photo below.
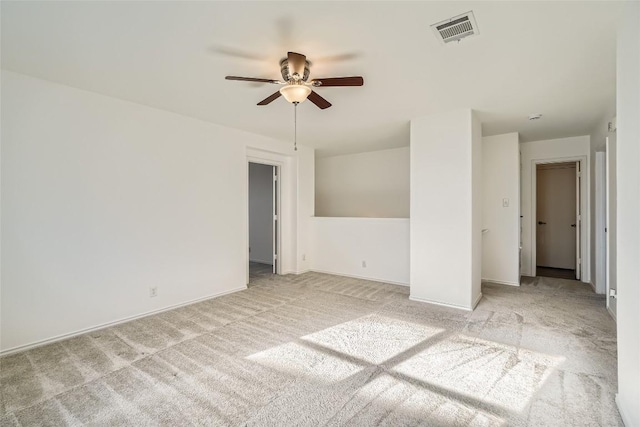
{"type": "Point", "coordinates": [317, 349]}
{"type": "Point", "coordinates": [258, 270]}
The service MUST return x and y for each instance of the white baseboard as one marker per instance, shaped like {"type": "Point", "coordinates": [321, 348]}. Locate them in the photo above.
{"type": "Point", "coordinates": [476, 302]}
{"type": "Point", "coordinates": [35, 344]}
{"type": "Point", "coordinates": [623, 412]}
{"type": "Point", "coordinates": [612, 314]}
{"type": "Point", "coordinates": [501, 282]}
{"type": "Point", "coordinates": [442, 304]}
{"type": "Point", "coordinates": [373, 279]}
{"type": "Point", "coordinates": [593, 287]}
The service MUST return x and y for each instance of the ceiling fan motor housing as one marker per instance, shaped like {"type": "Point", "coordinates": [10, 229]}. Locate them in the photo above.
{"type": "Point", "coordinates": [284, 70]}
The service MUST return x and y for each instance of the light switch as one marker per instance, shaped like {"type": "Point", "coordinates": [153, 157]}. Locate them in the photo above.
{"type": "Point", "coordinates": [505, 203]}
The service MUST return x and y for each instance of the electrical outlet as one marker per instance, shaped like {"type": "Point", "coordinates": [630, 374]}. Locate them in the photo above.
{"type": "Point", "coordinates": [505, 203]}
{"type": "Point", "coordinates": [153, 291]}
{"type": "Point", "coordinates": [364, 264]}
{"type": "Point", "coordinates": [304, 257]}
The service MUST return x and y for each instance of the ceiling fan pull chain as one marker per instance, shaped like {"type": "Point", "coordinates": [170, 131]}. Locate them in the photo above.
{"type": "Point", "coordinates": [295, 126]}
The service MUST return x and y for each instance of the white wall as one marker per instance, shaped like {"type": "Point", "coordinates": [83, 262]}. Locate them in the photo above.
{"type": "Point", "coordinates": [261, 213]}
{"type": "Point", "coordinates": [103, 199]}
{"type": "Point", "coordinates": [342, 244]}
{"type": "Point", "coordinates": [304, 193]}
{"type": "Point", "coordinates": [373, 185]}
{"type": "Point", "coordinates": [362, 205]}
{"type": "Point", "coordinates": [445, 229]}
{"type": "Point", "coordinates": [501, 180]}
{"type": "Point", "coordinates": [551, 150]}
{"type": "Point", "coordinates": [628, 264]}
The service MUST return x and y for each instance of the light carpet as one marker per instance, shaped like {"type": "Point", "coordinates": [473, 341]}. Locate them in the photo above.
{"type": "Point", "coordinates": [317, 349]}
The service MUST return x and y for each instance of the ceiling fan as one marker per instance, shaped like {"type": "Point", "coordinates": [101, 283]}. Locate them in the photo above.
{"type": "Point", "coordinates": [296, 84]}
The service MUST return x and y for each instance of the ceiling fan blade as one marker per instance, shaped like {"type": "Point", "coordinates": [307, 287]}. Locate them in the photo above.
{"type": "Point", "coordinates": [270, 99]}
{"type": "Point", "coordinates": [318, 100]}
{"type": "Point", "coordinates": [252, 79]}
{"type": "Point", "coordinates": [297, 63]}
{"type": "Point", "coordinates": [340, 81]}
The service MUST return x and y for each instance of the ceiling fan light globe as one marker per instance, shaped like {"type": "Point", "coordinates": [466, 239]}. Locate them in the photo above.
{"type": "Point", "coordinates": [295, 93]}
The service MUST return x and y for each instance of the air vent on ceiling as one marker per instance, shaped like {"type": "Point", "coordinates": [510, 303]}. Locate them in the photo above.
{"type": "Point", "coordinates": [456, 28]}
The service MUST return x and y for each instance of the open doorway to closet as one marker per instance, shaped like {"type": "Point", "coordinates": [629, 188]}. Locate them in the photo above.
{"type": "Point", "coordinates": [263, 220]}
{"type": "Point", "coordinates": [558, 220]}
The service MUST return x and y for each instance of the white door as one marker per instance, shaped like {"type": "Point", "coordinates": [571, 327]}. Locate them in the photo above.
{"type": "Point", "coordinates": [611, 225]}
{"type": "Point", "coordinates": [577, 224]}
{"type": "Point", "coordinates": [556, 215]}
{"type": "Point", "coordinates": [275, 214]}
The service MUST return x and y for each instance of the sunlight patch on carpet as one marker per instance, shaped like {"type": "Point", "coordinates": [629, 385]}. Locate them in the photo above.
{"type": "Point", "coordinates": [496, 374]}
{"type": "Point", "coordinates": [300, 361]}
{"type": "Point", "coordinates": [373, 338]}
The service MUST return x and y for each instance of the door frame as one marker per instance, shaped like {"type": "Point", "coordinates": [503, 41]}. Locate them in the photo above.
{"type": "Point", "coordinates": [270, 159]}
{"type": "Point", "coordinates": [275, 206]}
{"type": "Point", "coordinates": [601, 223]}
{"type": "Point", "coordinates": [611, 272]}
{"type": "Point", "coordinates": [584, 209]}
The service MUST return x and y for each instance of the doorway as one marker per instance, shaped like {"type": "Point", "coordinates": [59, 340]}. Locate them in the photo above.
{"type": "Point", "coordinates": [263, 220]}
{"type": "Point", "coordinates": [558, 220]}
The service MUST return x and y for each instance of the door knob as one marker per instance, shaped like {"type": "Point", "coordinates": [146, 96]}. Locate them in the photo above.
{"type": "Point", "coordinates": [542, 223]}
{"type": "Point", "coordinates": [573, 225]}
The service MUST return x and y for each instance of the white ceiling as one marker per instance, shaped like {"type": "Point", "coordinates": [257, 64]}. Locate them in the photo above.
{"type": "Point", "coordinates": [554, 58]}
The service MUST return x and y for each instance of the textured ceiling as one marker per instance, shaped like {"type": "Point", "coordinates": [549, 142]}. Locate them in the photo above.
{"type": "Point", "coordinates": [554, 58]}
